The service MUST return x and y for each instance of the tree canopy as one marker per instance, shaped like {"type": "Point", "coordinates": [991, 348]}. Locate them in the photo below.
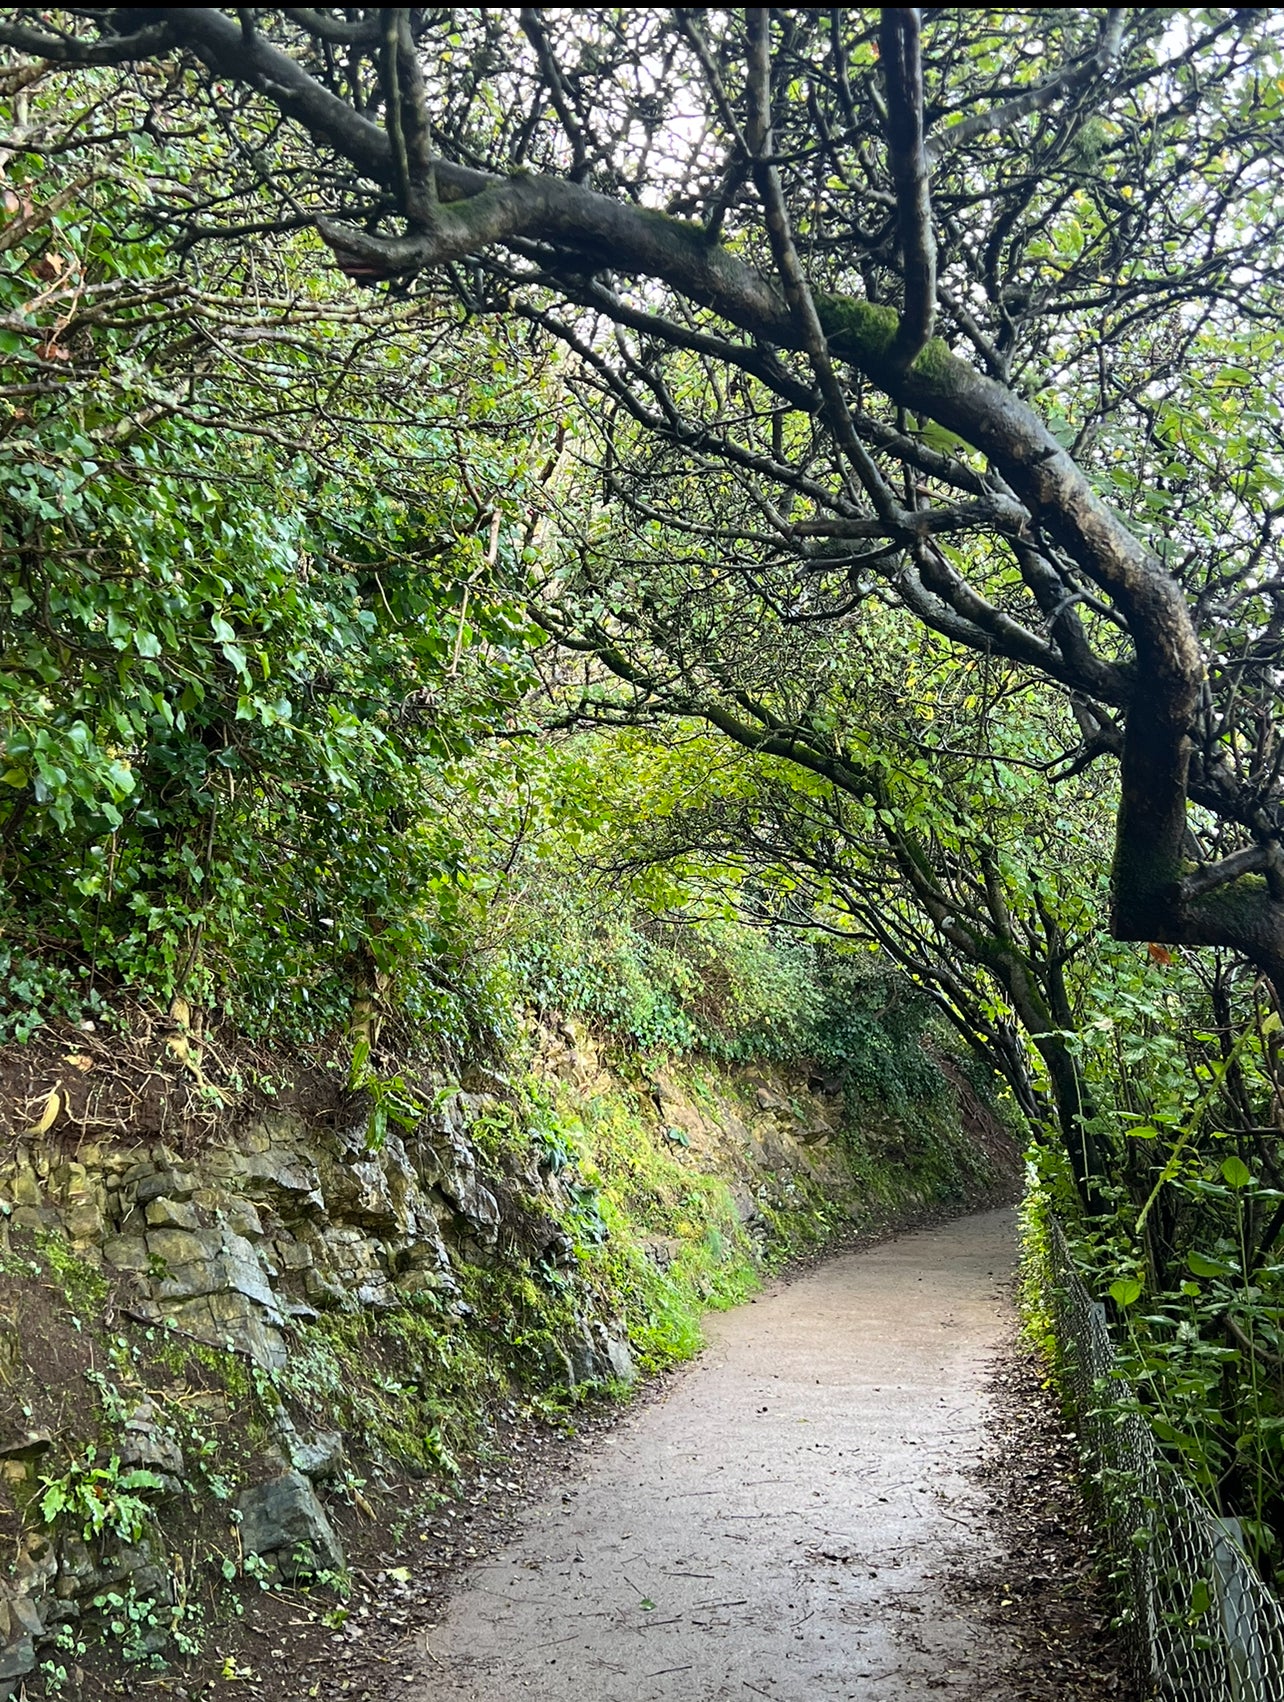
{"type": "Point", "coordinates": [866, 423]}
{"type": "Point", "coordinates": [979, 312]}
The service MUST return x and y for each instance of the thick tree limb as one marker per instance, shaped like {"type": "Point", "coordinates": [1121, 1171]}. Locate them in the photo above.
{"type": "Point", "coordinates": [1251, 860]}
{"type": "Point", "coordinates": [326, 27]}
{"type": "Point", "coordinates": [144, 43]}
{"type": "Point", "coordinates": [903, 70]}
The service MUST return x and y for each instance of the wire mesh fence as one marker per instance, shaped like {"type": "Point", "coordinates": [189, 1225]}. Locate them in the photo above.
{"type": "Point", "coordinates": [1201, 1624]}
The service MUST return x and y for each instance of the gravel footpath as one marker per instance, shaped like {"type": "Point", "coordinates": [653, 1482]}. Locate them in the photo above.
{"type": "Point", "coordinates": [825, 1505]}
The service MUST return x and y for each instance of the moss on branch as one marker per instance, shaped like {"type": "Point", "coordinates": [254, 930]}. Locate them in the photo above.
{"type": "Point", "coordinates": [865, 331]}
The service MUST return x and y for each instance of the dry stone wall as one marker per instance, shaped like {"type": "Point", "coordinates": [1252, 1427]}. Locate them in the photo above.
{"type": "Point", "coordinates": [277, 1225]}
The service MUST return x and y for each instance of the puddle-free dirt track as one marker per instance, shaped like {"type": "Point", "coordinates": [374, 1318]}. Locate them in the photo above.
{"type": "Point", "coordinates": [782, 1521]}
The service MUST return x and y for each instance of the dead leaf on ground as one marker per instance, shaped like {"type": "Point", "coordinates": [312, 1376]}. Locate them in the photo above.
{"type": "Point", "coordinates": [49, 1115]}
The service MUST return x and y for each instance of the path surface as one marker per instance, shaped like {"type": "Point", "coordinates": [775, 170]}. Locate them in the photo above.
{"type": "Point", "coordinates": [780, 1522]}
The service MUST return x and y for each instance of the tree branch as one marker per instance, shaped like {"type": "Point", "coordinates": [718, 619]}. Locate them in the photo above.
{"type": "Point", "coordinates": [903, 70]}
{"type": "Point", "coordinates": [144, 43]}
{"type": "Point", "coordinates": [1065, 82]}
{"type": "Point", "coordinates": [1251, 860]}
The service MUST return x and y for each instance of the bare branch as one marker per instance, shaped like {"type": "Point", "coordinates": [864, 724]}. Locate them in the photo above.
{"type": "Point", "coordinates": [903, 69]}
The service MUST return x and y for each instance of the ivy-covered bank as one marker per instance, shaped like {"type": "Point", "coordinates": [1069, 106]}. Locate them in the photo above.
{"type": "Point", "coordinates": [234, 1377]}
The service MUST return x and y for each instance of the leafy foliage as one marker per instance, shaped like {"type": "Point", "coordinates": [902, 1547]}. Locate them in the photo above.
{"type": "Point", "coordinates": [101, 1499]}
{"type": "Point", "coordinates": [924, 451]}
{"type": "Point", "coordinates": [240, 688]}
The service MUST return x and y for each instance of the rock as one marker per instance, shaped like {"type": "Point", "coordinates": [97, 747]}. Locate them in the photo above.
{"type": "Point", "coordinates": [663, 1091]}
{"type": "Point", "coordinates": [619, 1357]}
{"type": "Point", "coordinates": [283, 1521]}
{"type": "Point", "coordinates": [25, 1190]}
{"type": "Point", "coordinates": [425, 1281]}
{"type": "Point", "coordinates": [746, 1207]}
{"type": "Point", "coordinates": [324, 1292]}
{"type": "Point", "coordinates": [228, 1319]}
{"type": "Point", "coordinates": [377, 1292]}
{"type": "Point", "coordinates": [765, 1100]}
{"type": "Point", "coordinates": [366, 1190]}
{"type": "Point", "coordinates": [179, 1247]}
{"type": "Point", "coordinates": [29, 1446]}
{"type": "Point", "coordinates": [210, 1262]}
{"type": "Point", "coordinates": [33, 1217]}
{"type": "Point", "coordinates": [127, 1253]}
{"type": "Point", "coordinates": [244, 1269]}
{"type": "Point", "coordinates": [83, 1219]}
{"type": "Point", "coordinates": [662, 1252]}
{"type": "Point", "coordinates": [20, 1625]}
{"type": "Point", "coordinates": [77, 1573]}
{"type": "Point", "coordinates": [165, 1213]}
{"type": "Point", "coordinates": [318, 1456]}
{"type": "Point", "coordinates": [10, 1351]}
{"type": "Point", "coordinates": [423, 1266]}
{"type": "Point", "coordinates": [348, 1271]}
{"type": "Point", "coordinates": [460, 1187]}
{"type": "Point", "coordinates": [580, 1356]}
{"type": "Point", "coordinates": [830, 1083]}
{"type": "Point", "coordinates": [168, 1184]}
{"type": "Point", "coordinates": [36, 1567]}
{"type": "Point", "coordinates": [144, 1443]}
{"type": "Point", "coordinates": [243, 1220]}
{"type": "Point", "coordinates": [286, 1179]}
{"type": "Point", "coordinates": [82, 1574]}
{"type": "Point", "coordinates": [595, 1356]}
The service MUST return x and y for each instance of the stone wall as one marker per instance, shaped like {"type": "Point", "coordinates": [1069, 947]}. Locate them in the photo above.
{"type": "Point", "coordinates": [281, 1222]}
{"type": "Point", "coordinates": [285, 1220]}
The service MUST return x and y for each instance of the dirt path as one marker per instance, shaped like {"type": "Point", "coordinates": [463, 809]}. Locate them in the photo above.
{"type": "Point", "coordinates": [781, 1522]}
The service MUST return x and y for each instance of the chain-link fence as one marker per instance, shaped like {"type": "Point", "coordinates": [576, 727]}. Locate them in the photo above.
{"type": "Point", "coordinates": [1201, 1624]}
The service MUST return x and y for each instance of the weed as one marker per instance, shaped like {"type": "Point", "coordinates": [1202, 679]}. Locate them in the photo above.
{"type": "Point", "coordinates": [83, 1284]}
{"type": "Point", "coordinates": [145, 1627]}
{"type": "Point", "coordinates": [100, 1498]}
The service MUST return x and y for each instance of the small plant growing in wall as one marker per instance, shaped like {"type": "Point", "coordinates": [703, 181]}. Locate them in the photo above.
{"type": "Point", "coordinates": [100, 1498]}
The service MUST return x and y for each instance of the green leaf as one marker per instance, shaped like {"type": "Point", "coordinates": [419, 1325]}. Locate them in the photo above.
{"type": "Point", "coordinates": [1125, 1291]}
{"type": "Point", "coordinates": [1203, 1266]}
{"type": "Point", "coordinates": [1235, 1173]}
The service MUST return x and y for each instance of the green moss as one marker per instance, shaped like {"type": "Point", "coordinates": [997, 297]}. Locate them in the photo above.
{"type": "Point", "coordinates": [935, 362]}
{"type": "Point", "coordinates": [415, 1385]}
{"type": "Point", "coordinates": [865, 332]}
{"type": "Point", "coordinates": [862, 330]}
{"type": "Point", "coordinates": [228, 1371]}
{"type": "Point", "coordinates": [683, 230]}
{"type": "Point", "coordinates": [656, 1241]}
{"type": "Point", "coordinates": [83, 1284]}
